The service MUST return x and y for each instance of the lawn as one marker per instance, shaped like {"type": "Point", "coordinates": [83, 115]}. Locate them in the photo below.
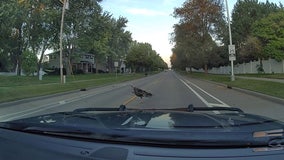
{"type": "Point", "coordinates": [20, 87]}
{"type": "Point", "coordinates": [274, 76]}
{"type": "Point", "coordinates": [270, 88]}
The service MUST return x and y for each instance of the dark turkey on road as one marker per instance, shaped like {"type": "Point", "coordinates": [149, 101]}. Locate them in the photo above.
{"type": "Point", "coordinates": [141, 93]}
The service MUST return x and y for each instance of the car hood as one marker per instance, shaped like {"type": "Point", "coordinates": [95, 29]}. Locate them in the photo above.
{"type": "Point", "coordinates": [170, 127]}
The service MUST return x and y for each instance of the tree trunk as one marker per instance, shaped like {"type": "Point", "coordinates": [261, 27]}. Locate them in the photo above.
{"type": "Point", "coordinates": [206, 68]}
{"type": "Point", "coordinates": [96, 61]}
{"type": "Point", "coordinates": [39, 64]}
{"type": "Point", "coordinates": [19, 54]}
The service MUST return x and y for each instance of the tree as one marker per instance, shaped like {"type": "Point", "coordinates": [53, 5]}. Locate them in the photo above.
{"type": "Point", "coordinates": [34, 25]}
{"type": "Point", "coordinates": [244, 14]}
{"type": "Point", "coordinates": [29, 62]}
{"type": "Point", "coordinates": [142, 58]}
{"type": "Point", "coordinates": [41, 29]}
{"type": "Point", "coordinates": [200, 23]}
{"type": "Point", "coordinates": [78, 20]}
{"type": "Point", "coordinates": [94, 38]}
{"type": "Point", "coordinates": [119, 41]}
{"type": "Point", "coordinates": [7, 36]}
{"type": "Point", "coordinates": [12, 40]}
{"type": "Point", "coordinates": [31, 25]}
{"type": "Point", "coordinates": [270, 32]}
{"type": "Point", "coordinates": [252, 49]}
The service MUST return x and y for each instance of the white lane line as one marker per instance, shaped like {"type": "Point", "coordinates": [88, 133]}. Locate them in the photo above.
{"type": "Point", "coordinates": [218, 105]}
{"type": "Point", "coordinates": [198, 95]}
{"type": "Point", "coordinates": [223, 103]}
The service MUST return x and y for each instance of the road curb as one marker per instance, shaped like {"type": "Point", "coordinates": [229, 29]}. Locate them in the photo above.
{"type": "Point", "coordinates": [254, 93]}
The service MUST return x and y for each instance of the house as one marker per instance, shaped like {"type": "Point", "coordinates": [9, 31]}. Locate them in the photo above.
{"type": "Point", "coordinates": [78, 62]}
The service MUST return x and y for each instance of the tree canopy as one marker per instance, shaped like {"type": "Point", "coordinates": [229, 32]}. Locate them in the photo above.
{"type": "Point", "coordinates": [201, 24]}
{"type": "Point", "coordinates": [244, 15]}
{"type": "Point", "coordinates": [143, 58]}
{"type": "Point", "coordinates": [201, 38]}
{"type": "Point", "coordinates": [33, 27]}
{"type": "Point", "coordinates": [270, 32]}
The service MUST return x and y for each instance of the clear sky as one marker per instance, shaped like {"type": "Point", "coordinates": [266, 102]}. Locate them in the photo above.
{"type": "Point", "coordinates": [151, 21]}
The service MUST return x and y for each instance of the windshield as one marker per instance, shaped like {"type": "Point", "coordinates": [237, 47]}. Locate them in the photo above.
{"type": "Point", "coordinates": [119, 68]}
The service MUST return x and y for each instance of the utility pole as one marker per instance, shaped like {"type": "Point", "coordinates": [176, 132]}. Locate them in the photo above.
{"type": "Point", "coordinates": [64, 6]}
{"type": "Point", "coordinates": [231, 47]}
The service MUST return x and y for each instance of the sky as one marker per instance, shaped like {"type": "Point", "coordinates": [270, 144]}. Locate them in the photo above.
{"type": "Point", "coordinates": [151, 21]}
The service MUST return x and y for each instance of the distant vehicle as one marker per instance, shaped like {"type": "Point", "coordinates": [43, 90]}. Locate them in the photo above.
{"type": "Point", "coordinates": [121, 134]}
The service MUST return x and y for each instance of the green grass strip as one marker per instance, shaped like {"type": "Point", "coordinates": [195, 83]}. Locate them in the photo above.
{"type": "Point", "coordinates": [266, 87]}
{"type": "Point", "coordinates": [20, 87]}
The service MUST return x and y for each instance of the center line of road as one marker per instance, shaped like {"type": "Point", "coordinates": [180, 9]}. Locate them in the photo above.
{"type": "Point", "coordinates": [130, 100]}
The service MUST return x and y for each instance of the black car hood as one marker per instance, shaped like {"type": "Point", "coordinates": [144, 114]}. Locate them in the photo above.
{"type": "Point", "coordinates": [171, 127]}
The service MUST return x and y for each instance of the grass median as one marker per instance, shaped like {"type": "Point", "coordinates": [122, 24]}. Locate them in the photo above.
{"type": "Point", "coordinates": [20, 87]}
{"type": "Point", "coordinates": [266, 87]}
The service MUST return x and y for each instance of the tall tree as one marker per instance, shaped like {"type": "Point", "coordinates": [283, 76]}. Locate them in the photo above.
{"type": "Point", "coordinates": [29, 64]}
{"type": "Point", "coordinates": [142, 57]}
{"type": "Point", "coordinates": [14, 15]}
{"type": "Point", "coordinates": [8, 36]}
{"type": "Point", "coordinates": [252, 49]}
{"type": "Point", "coordinates": [119, 41]}
{"type": "Point", "coordinates": [270, 32]}
{"type": "Point", "coordinates": [79, 16]}
{"type": "Point", "coordinates": [27, 25]}
{"type": "Point", "coordinates": [41, 30]}
{"type": "Point", "coordinates": [244, 14]}
{"type": "Point", "coordinates": [201, 22]}
{"type": "Point", "coordinates": [94, 38]}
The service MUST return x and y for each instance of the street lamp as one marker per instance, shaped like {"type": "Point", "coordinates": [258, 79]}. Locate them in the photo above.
{"type": "Point", "coordinates": [231, 47]}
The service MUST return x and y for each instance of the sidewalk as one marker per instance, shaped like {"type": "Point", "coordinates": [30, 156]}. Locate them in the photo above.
{"type": "Point", "coordinates": [262, 79]}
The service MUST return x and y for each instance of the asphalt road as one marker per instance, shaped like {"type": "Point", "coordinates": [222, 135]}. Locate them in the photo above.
{"type": "Point", "coordinates": [169, 90]}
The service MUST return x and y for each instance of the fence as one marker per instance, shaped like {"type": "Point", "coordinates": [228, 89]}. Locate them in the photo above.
{"type": "Point", "coordinates": [269, 66]}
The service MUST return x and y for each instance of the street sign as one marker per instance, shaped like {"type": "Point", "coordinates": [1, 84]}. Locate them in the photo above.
{"type": "Point", "coordinates": [115, 64]}
{"type": "Point", "coordinates": [232, 52]}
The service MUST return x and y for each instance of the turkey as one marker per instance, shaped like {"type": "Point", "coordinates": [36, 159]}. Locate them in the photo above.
{"type": "Point", "coordinates": [141, 93]}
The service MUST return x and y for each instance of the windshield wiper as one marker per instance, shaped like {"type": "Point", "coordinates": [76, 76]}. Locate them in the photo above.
{"type": "Point", "coordinates": [191, 108]}
{"type": "Point", "coordinates": [120, 108]}
{"type": "Point", "coordinates": [57, 131]}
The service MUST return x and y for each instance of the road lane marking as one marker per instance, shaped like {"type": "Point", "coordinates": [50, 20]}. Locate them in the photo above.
{"type": "Point", "coordinates": [129, 100]}
{"type": "Point", "coordinates": [222, 104]}
{"type": "Point", "coordinates": [62, 102]}
{"type": "Point", "coordinates": [218, 105]}
{"type": "Point", "coordinates": [198, 95]}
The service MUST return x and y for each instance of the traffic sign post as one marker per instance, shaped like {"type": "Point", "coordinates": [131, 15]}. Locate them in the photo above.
{"type": "Point", "coordinates": [232, 50]}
